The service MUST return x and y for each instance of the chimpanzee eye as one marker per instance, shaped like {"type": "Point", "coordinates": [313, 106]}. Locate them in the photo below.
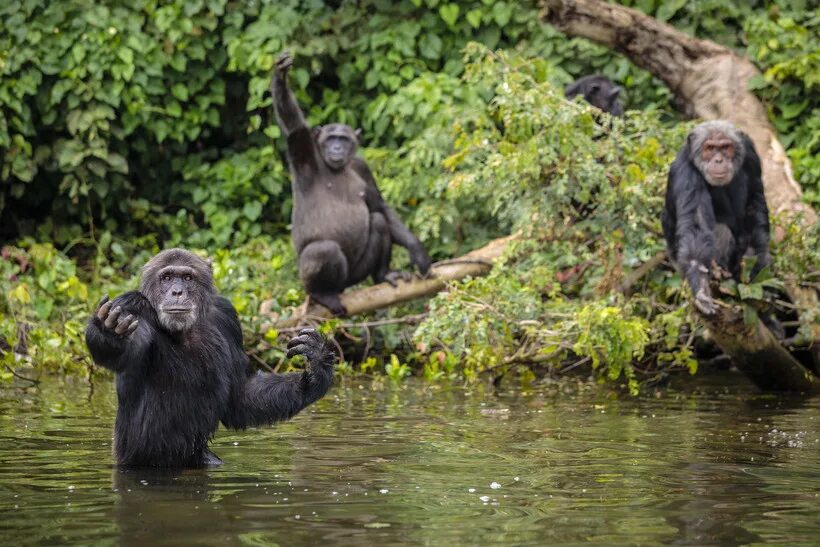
{"type": "Point", "coordinates": [188, 277]}
{"type": "Point", "coordinates": [166, 277]}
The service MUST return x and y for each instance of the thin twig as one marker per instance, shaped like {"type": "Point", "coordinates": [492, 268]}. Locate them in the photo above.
{"type": "Point", "coordinates": [20, 376]}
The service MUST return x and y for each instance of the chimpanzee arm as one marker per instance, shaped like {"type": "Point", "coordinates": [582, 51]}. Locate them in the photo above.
{"type": "Point", "coordinates": [265, 398]}
{"type": "Point", "coordinates": [399, 233]}
{"type": "Point", "coordinates": [120, 332]}
{"type": "Point", "coordinates": [301, 146]}
{"type": "Point", "coordinates": [695, 246]}
{"type": "Point", "coordinates": [756, 221]}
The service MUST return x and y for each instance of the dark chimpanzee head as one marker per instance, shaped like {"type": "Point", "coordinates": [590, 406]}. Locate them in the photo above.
{"type": "Point", "coordinates": [337, 144]}
{"type": "Point", "coordinates": [716, 148]}
{"type": "Point", "coordinates": [180, 286]}
{"type": "Point", "coordinates": [599, 91]}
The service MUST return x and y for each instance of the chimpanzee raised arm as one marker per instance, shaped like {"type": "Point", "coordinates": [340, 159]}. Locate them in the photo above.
{"type": "Point", "coordinates": [342, 229]}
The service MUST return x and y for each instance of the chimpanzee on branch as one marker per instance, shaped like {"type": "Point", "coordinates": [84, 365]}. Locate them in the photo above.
{"type": "Point", "coordinates": [599, 91]}
{"type": "Point", "coordinates": [715, 207]}
{"type": "Point", "coordinates": [176, 347]}
{"type": "Point", "coordinates": [342, 229]}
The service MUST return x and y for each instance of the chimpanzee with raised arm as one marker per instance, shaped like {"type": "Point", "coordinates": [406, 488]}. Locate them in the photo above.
{"type": "Point", "coordinates": [342, 229]}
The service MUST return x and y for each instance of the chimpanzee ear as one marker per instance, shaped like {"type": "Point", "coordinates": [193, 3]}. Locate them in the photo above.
{"type": "Point", "coordinates": [316, 131]}
{"type": "Point", "coordinates": [358, 134]}
{"type": "Point", "coordinates": [210, 262]}
{"type": "Point", "coordinates": [615, 92]}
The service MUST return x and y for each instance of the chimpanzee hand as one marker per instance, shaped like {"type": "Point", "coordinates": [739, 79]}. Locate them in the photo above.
{"type": "Point", "coordinates": [111, 322]}
{"type": "Point", "coordinates": [312, 345]}
{"type": "Point", "coordinates": [704, 302]}
{"type": "Point", "coordinates": [283, 64]}
{"type": "Point", "coordinates": [393, 277]}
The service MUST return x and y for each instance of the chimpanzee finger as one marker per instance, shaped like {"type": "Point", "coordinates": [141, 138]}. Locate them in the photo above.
{"type": "Point", "coordinates": [296, 340]}
{"type": "Point", "coordinates": [300, 349]}
{"type": "Point", "coordinates": [123, 324]}
{"type": "Point", "coordinates": [102, 313]}
{"type": "Point", "coordinates": [132, 328]}
{"type": "Point", "coordinates": [308, 332]}
{"type": "Point", "coordinates": [103, 301]}
{"type": "Point", "coordinates": [111, 320]}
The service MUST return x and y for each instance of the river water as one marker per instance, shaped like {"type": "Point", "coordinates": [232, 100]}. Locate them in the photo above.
{"type": "Point", "coordinates": [379, 464]}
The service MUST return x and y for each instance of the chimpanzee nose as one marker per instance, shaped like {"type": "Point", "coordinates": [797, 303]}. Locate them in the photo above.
{"type": "Point", "coordinates": [176, 291]}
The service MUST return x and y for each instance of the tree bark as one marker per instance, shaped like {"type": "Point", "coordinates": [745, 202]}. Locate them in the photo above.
{"type": "Point", "coordinates": [711, 82]}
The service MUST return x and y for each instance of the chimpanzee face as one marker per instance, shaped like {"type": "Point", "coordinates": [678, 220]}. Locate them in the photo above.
{"type": "Point", "coordinates": [599, 91]}
{"type": "Point", "coordinates": [717, 150]}
{"type": "Point", "coordinates": [605, 97]}
{"type": "Point", "coordinates": [177, 309]}
{"type": "Point", "coordinates": [337, 144]}
{"type": "Point", "coordinates": [717, 155]}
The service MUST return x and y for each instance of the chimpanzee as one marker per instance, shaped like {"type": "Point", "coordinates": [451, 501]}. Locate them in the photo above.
{"type": "Point", "coordinates": [715, 207]}
{"type": "Point", "coordinates": [599, 91]}
{"type": "Point", "coordinates": [176, 348]}
{"type": "Point", "coordinates": [342, 229]}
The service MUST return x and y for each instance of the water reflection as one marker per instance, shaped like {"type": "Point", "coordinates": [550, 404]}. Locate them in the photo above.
{"type": "Point", "coordinates": [414, 464]}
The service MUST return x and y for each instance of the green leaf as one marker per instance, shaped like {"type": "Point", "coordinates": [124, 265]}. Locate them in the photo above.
{"type": "Point", "coordinates": [668, 9]}
{"type": "Point", "coordinates": [252, 210]}
{"type": "Point", "coordinates": [126, 55]}
{"type": "Point", "coordinates": [430, 46]}
{"type": "Point", "coordinates": [180, 92]}
{"type": "Point", "coordinates": [474, 17]}
{"type": "Point", "coordinates": [502, 12]}
{"type": "Point", "coordinates": [449, 13]}
{"type": "Point", "coordinates": [792, 110]}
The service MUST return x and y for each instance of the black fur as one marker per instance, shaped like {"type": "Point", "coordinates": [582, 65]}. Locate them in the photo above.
{"type": "Point", "coordinates": [599, 91]}
{"type": "Point", "coordinates": [342, 229]}
{"type": "Point", "coordinates": [703, 222]}
{"type": "Point", "coordinates": [175, 388]}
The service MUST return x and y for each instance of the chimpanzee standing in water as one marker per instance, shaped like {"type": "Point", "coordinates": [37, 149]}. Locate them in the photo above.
{"type": "Point", "coordinates": [176, 347]}
{"type": "Point", "coordinates": [599, 91]}
{"type": "Point", "coordinates": [715, 207]}
{"type": "Point", "coordinates": [342, 229]}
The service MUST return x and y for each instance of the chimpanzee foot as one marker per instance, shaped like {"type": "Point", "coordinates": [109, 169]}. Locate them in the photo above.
{"type": "Point", "coordinates": [394, 277]}
{"type": "Point", "coordinates": [331, 302]}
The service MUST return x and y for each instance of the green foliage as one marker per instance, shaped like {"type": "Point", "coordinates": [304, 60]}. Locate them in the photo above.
{"type": "Point", "coordinates": [585, 194]}
{"type": "Point", "coordinates": [787, 46]}
{"type": "Point", "coordinates": [130, 127]}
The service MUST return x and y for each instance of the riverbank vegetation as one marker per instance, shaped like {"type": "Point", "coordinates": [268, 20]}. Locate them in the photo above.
{"type": "Point", "coordinates": [127, 128]}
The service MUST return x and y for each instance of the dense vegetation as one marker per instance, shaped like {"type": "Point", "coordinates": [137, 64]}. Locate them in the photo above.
{"type": "Point", "coordinates": [126, 127]}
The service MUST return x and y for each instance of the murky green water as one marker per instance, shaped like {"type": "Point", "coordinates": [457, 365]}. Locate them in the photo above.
{"type": "Point", "coordinates": [428, 466]}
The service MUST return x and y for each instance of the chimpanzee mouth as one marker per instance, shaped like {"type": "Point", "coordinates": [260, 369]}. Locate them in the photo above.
{"type": "Point", "coordinates": [177, 310]}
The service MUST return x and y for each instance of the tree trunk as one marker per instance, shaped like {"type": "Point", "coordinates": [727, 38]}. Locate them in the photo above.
{"type": "Point", "coordinates": [711, 82]}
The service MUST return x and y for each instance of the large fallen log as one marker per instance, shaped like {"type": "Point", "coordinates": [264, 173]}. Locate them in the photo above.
{"type": "Point", "coordinates": [473, 264]}
{"type": "Point", "coordinates": [711, 82]}
{"type": "Point", "coordinates": [758, 354]}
